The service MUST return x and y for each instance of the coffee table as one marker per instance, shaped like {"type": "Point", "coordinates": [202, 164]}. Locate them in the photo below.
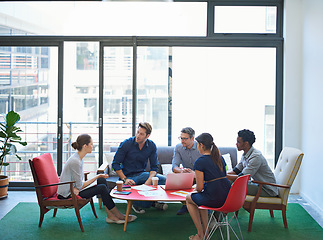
{"type": "Point", "coordinates": [159, 194]}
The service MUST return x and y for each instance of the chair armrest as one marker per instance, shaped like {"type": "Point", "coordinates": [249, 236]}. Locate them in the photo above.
{"type": "Point", "coordinates": [85, 175]}
{"type": "Point", "coordinates": [73, 195]}
{"type": "Point", "coordinates": [260, 187]}
{"type": "Point", "coordinates": [102, 169]}
{"type": "Point", "coordinates": [54, 184]}
{"type": "Point", "coordinates": [271, 184]}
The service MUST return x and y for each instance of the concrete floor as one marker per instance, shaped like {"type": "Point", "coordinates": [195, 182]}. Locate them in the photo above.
{"type": "Point", "coordinates": [14, 197]}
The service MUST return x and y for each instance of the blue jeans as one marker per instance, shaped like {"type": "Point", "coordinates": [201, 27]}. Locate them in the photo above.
{"type": "Point", "coordinates": [141, 178]}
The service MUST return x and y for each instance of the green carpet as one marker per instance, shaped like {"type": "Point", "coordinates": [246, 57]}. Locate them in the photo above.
{"type": "Point", "coordinates": [22, 223]}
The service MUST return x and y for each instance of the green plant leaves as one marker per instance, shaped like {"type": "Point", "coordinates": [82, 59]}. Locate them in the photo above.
{"type": "Point", "coordinates": [8, 136]}
{"type": "Point", "coordinates": [12, 118]}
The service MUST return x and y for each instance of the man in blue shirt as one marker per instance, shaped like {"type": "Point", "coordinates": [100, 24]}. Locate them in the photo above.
{"type": "Point", "coordinates": [130, 163]}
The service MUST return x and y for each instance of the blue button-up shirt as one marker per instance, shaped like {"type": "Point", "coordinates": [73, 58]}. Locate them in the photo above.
{"type": "Point", "coordinates": [131, 160]}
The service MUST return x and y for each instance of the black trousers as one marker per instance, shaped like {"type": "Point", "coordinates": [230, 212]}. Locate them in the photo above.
{"type": "Point", "coordinates": [102, 189]}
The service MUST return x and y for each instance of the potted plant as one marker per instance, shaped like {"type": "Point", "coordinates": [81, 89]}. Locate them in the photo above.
{"type": "Point", "coordinates": [8, 138]}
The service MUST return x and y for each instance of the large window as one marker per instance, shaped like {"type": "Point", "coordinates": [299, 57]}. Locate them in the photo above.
{"type": "Point", "coordinates": [117, 95]}
{"type": "Point", "coordinates": [104, 18]}
{"type": "Point", "coordinates": [81, 98]}
{"type": "Point", "coordinates": [102, 67]}
{"type": "Point", "coordinates": [224, 90]}
{"type": "Point", "coordinates": [29, 86]}
{"type": "Point", "coordinates": [152, 91]}
{"type": "Point", "coordinates": [245, 19]}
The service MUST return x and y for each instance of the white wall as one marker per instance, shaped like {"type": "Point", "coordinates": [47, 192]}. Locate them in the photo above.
{"type": "Point", "coordinates": [293, 79]}
{"type": "Point", "coordinates": [312, 127]}
{"type": "Point", "coordinates": [303, 71]}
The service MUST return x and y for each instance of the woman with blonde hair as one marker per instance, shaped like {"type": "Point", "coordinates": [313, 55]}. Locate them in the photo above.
{"type": "Point", "coordinates": [212, 186]}
{"type": "Point", "coordinates": [73, 171]}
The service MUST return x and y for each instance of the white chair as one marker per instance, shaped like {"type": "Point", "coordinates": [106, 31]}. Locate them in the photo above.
{"type": "Point", "coordinates": [288, 164]}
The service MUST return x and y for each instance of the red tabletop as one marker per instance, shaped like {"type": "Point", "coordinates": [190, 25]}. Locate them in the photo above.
{"type": "Point", "coordinates": [162, 195]}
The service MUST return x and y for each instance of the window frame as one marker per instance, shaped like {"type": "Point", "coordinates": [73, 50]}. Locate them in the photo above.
{"type": "Point", "coordinates": [257, 3]}
{"type": "Point", "coordinates": [39, 42]}
{"type": "Point", "coordinates": [211, 40]}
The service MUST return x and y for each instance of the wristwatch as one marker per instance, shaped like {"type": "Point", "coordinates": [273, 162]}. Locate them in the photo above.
{"type": "Point", "coordinates": [124, 180]}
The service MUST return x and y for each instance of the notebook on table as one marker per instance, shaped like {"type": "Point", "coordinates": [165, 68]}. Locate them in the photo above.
{"type": "Point", "coordinates": [175, 181]}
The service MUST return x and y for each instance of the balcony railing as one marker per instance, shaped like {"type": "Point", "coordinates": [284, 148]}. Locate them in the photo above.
{"type": "Point", "coordinates": [42, 138]}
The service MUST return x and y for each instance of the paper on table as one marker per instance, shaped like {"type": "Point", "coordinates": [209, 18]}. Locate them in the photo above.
{"type": "Point", "coordinates": [143, 187]}
{"type": "Point", "coordinates": [151, 193]}
{"type": "Point", "coordinates": [180, 193]}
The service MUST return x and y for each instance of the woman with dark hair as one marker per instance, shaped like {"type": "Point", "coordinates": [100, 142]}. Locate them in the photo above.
{"type": "Point", "coordinates": [73, 171]}
{"type": "Point", "coordinates": [212, 186]}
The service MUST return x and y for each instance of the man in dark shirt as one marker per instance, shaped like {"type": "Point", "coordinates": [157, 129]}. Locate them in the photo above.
{"type": "Point", "coordinates": [130, 162]}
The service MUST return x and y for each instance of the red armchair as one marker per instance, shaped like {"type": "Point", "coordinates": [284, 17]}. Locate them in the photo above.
{"type": "Point", "coordinates": [46, 182]}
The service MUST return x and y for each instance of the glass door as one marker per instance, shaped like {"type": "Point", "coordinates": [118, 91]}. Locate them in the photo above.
{"type": "Point", "coordinates": [81, 99]}
{"type": "Point", "coordinates": [153, 91]}
{"type": "Point", "coordinates": [117, 95]}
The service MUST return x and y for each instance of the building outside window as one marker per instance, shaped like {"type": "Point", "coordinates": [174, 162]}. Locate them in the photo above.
{"type": "Point", "coordinates": [28, 87]}
{"type": "Point", "coordinates": [213, 89]}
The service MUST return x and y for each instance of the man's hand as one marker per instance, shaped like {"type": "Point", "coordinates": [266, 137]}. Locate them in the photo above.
{"type": "Point", "coordinates": [129, 182]}
{"type": "Point", "coordinates": [149, 181]}
{"type": "Point", "coordinates": [232, 177]}
{"type": "Point", "coordinates": [180, 170]}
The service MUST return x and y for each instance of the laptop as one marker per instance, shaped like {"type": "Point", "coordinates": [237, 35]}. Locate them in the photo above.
{"type": "Point", "coordinates": [178, 181]}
